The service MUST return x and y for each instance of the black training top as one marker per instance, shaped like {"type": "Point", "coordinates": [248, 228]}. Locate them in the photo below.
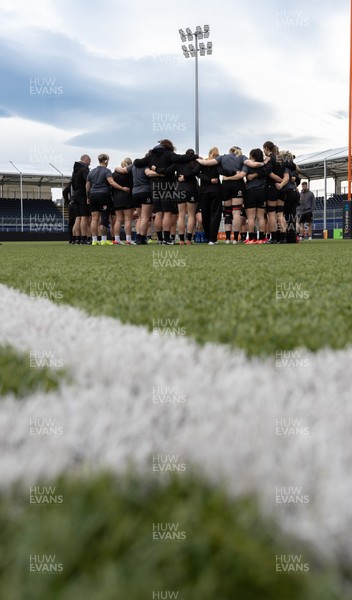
{"type": "Point", "coordinates": [162, 159]}
{"type": "Point", "coordinates": [206, 174]}
{"type": "Point", "coordinates": [189, 171]}
{"type": "Point", "coordinates": [79, 178]}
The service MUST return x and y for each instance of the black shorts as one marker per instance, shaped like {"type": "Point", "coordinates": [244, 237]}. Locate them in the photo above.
{"type": "Point", "coordinates": [243, 213]}
{"type": "Point", "coordinates": [272, 194]}
{"type": "Point", "coordinates": [122, 200]}
{"type": "Point", "coordinates": [233, 189]}
{"type": "Point", "coordinates": [163, 192]}
{"type": "Point", "coordinates": [165, 206]}
{"type": "Point", "coordinates": [142, 198]}
{"type": "Point", "coordinates": [255, 198]}
{"type": "Point", "coordinates": [100, 202]}
{"type": "Point", "coordinates": [183, 196]}
{"type": "Point", "coordinates": [306, 218]}
{"type": "Point", "coordinates": [72, 211]}
{"type": "Point", "coordinates": [81, 206]}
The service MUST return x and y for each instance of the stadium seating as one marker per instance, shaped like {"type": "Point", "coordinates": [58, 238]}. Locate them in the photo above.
{"type": "Point", "coordinates": [334, 202]}
{"type": "Point", "coordinates": [34, 212]}
{"type": "Point", "coordinates": [11, 209]}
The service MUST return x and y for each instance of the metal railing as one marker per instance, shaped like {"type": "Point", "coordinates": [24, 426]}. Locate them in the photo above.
{"type": "Point", "coordinates": [334, 219]}
{"type": "Point", "coordinates": [36, 224]}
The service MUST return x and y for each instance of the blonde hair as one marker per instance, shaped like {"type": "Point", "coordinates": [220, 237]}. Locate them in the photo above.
{"type": "Point", "coordinates": [103, 158]}
{"type": "Point", "coordinates": [213, 152]}
{"type": "Point", "coordinates": [236, 150]}
{"type": "Point", "coordinates": [286, 155]}
{"type": "Point", "coordinates": [126, 162]}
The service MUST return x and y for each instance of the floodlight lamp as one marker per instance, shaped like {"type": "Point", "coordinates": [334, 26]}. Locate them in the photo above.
{"type": "Point", "coordinates": [206, 31]}
{"type": "Point", "coordinates": [189, 34]}
{"type": "Point", "coordinates": [199, 32]}
{"type": "Point", "coordinates": [184, 48]}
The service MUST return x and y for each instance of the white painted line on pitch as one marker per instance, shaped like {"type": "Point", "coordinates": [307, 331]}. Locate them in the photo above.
{"type": "Point", "coordinates": [225, 422]}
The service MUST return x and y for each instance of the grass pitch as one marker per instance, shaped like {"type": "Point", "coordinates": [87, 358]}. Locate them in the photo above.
{"type": "Point", "coordinates": [261, 299]}
{"type": "Point", "coordinates": [258, 298]}
{"type": "Point", "coordinates": [101, 545]}
{"type": "Point", "coordinates": [20, 379]}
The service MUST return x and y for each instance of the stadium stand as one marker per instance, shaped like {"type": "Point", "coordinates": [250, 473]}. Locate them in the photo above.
{"type": "Point", "coordinates": [334, 202]}
{"type": "Point", "coordinates": [334, 205]}
{"type": "Point", "coordinates": [36, 213]}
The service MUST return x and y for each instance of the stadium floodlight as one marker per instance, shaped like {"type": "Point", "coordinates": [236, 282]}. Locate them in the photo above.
{"type": "Point", "coordinates": [185, 51]}
{"type": "Point", "coordinates": [189, 34]}
{"type": "Point", "coordinates": [183, 35]}
{"type": "Point", "coordinates": [193, 51]}
{"type": "Point", "coordinates": [199, 32]}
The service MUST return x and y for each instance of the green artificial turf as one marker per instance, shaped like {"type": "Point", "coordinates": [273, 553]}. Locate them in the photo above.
{"type": "Point", "coordinates": [225, 294]}
{"type": "Point", "coordinates": [28, 378]}
{"type": "Point", "coordinates": [100, 535]}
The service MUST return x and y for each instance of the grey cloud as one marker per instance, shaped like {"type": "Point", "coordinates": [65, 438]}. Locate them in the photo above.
{"type": "Point", "coordinates": [130, 103]}
{"type": "Point", "coordinates": [339, 114]}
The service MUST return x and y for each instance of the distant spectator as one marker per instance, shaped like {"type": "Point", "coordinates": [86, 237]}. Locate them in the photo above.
{"type": "Point", "coordinates": [306, 210]}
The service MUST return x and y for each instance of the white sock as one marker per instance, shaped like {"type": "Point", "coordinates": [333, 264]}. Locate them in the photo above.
{"type": "Point", "coordinates": [104, 238]}
{"type": "Point", "coordinates": [94, 238]}
{"type": "Point", "coordinates": [117, 239]}
{"type": "Point", "coordinates": [128, 238]}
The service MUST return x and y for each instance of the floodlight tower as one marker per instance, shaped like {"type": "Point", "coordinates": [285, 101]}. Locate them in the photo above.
{"type": "Point", "coordinates": [192, 51]}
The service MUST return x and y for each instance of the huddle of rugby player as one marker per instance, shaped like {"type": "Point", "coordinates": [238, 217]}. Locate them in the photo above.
{"type": "Point", "coordinates": [260, 190]}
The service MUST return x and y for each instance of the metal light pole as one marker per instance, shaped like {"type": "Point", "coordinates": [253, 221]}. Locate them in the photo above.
{"type": "Point", "coordinates": [63, 201]}
{"type": "Point", "coordinates": [192, 51]}
{"type": "Point", "coordinates": [21, 194]}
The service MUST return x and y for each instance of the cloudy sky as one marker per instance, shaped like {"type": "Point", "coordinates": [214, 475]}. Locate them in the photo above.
{"type": "Point", "coordinates": [91, 76]}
